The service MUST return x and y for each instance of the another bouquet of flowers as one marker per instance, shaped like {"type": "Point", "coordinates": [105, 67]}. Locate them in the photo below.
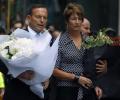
{"type": "Point", "coordinates": [96, 48]}
{"type": "Point", "coordinates": [21, 53]}
{"type": "Point", "coordinates": [99, 42]}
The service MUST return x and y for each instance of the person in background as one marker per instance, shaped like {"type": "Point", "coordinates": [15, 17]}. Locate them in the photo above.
{"type": "Point", "coordinates": [17, 24]}
{"type": "Point", "coordinates": [101, 65]}
{"type": "Point", "coordinates": [51, 29]}
{"type": "Point", "coordinates": [2, 31]}
{"type": "Point", "coordinates": [2, 86]}
{"type": "Point", "coordinates": [16, 89]}
{"type": "Point", "coordinates": [26, 23]}
{"type": "Point", "coordinates": [69, 67]}
{"type": "Point", "coordinates": [54, 33]}
{"type": "Point", "coordinates": [85, 28]}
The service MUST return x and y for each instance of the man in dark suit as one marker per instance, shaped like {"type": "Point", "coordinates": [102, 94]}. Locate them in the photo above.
{"type": "Point", "coordinates": [111, 81]}
{"type": "Point", "coordinates": [16, 89]}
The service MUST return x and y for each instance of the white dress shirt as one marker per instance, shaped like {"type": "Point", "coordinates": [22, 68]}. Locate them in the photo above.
{"type": "Point", "coordinates": [43, 38]}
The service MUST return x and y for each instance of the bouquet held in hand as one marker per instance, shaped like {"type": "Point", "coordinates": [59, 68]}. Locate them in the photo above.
{"type": "Point", "coordinates": [98, 44]}
{"type": "Point", "coordinates": [96, 48]}
{"type": "Point", "coordinates": [21, 53]}
{"type": "Point", "coordinates": [99, 40]}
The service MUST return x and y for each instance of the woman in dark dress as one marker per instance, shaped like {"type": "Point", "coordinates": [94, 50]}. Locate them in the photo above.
{"type": "Point", "coordinates": [69, 68]}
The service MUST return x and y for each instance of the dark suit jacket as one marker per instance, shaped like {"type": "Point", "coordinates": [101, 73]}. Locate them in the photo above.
{"type": "Point", "coordinates": [110, 82]}
{"type": "Point", "coordinates": [90, 59]}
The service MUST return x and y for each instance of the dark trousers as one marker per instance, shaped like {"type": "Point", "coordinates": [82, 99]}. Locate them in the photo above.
{"type": "Point", "coordinates": [71, 93]}
{"type": "Point", "coordinates": [17, 90]}
{"type": "Point", "coordinates": [66, 93]}
{"type": "Point", "coordinates": [89, 94]}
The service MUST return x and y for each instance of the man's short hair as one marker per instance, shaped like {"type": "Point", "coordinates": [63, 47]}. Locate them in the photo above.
{"type": "Point", "coordinates": [29, 11]}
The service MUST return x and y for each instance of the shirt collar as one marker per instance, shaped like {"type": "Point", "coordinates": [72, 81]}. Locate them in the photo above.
{"type": "Point", "coordinates": [33, 32]}
{"type": "Point", "coordinates": [66, 38]}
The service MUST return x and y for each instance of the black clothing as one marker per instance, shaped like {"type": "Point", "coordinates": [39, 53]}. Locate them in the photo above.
{"type": "Point", "coordinates": [17, 90]}
{"type": "Point", "coordinates": [66, 93]}
{"type": "Point", "coordinates": [3, 68]}
{"type": "Point", "coordinates": [110, 82]}
{"type": "Point", "coordinates": [90, 65]}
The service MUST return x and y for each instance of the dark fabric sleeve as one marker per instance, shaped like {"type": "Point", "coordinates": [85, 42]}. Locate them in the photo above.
{"type": "Point", "coordinates": [3, 68]}
{"type": "Point", "coordinates": [112, 54]}
{"type": "Point", "coordinates": [89, 65]}
{"type": "Point", "coordinates": [100, 52]}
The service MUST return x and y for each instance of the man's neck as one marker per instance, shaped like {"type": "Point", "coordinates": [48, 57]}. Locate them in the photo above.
{"type": "Point", "coordinates": [31, 29]}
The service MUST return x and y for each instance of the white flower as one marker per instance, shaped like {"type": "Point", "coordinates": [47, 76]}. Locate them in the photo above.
{"type": "Point", "coordinates": [16, 48]}
{"type": "Point", "coordinates": [4, 54]}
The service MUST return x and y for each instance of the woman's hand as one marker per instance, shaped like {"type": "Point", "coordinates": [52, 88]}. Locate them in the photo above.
{"type": "Point", "coordinates": [85, 82]}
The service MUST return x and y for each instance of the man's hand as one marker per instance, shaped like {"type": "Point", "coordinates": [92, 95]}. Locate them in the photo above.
{"type": "Point", "coordinates": [45, 84]}
{"type": "Point", "coordinates": [98, 92]}
{"type": "Point", "coordinates": [27, 75]}
{"type": "Point", "coordinates": [101, 66]}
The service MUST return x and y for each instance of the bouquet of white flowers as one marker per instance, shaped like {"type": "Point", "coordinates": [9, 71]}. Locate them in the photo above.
{"type": "Point", "coordinates": [16, 47]}
{"type": "Point", "coordinates": [21, 53]}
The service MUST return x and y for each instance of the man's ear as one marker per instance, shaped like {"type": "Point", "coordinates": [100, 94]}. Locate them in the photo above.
{"type": "Point", "coordinates": [28, 18]}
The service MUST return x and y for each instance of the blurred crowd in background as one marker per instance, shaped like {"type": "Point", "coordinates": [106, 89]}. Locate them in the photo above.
{"type": "Point", "coordinates": [100, 13]}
